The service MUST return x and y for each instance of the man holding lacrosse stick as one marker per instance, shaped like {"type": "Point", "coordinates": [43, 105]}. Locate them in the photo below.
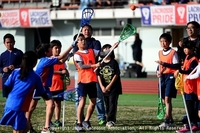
{"type": "Point", "coordinates": [168, 62]}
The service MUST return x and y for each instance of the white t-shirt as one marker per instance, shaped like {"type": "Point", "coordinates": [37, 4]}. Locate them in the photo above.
{"type": "Point", "coordinates": [77, 57]}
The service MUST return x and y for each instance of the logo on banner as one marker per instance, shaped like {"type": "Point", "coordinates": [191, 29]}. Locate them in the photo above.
{"type": "Point", "coordinates": [24, 17]}
{"type": "Point", "coordinates": [181, 14]}
{"type": "Point", "coordinates": [146, 18]}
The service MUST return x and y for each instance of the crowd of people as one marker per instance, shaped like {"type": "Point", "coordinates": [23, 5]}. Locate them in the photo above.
{"type": "Point", "coordinates": [26, 80]}
{"type": "Point", "coordinates": [183, 61]}
{"type": "Point", "coordinates": [23, 86]}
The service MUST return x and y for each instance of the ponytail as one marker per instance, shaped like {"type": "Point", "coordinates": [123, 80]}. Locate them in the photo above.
{"type": "Point", "coordinates": [28, 62]}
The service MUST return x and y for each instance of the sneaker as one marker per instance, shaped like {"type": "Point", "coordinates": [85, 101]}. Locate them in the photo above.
{"type": "Point", "coordinates": [195, 128]}
{"type": "Point", "coordinates": [87, 125]}
{"type": "Point", "coordinates": [48, 130]}
{"type": "Point", "coordinates": [57, 123]}
{"type": "Point", "coordinates": [164, 125]}
{"type": "Point", "coordinates": [51, 124]}
{"type": "Point", "coordinates": [102, 122]}
{"type": "Point", "coordinates": [78, 127]}
{"type": "Point", "coordinates": [185, 129]}
{"type": "Point", "coordinates": [110, 124]}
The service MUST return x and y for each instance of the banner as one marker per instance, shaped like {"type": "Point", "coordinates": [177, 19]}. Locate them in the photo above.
{"type": "Point", "coordinates": [9, 18]}
{"type": "Point", "coordinates": [168, 15]}
{"type": "Point", "coordinates": [26, 18]}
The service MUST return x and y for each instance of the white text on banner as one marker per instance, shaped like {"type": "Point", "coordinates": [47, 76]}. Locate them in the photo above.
{"type": "Point", "coordinates": [162, 15]}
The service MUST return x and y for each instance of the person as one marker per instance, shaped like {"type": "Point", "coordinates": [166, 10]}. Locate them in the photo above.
{"type": "Point", "coordinates": [91, 42]}
{"type": "Point", "coordinates": [168, 63]}
{"type": "Point", "coordinates": [190, 86]}
{"type": "Point", "coordinates": [85, 63]}
{"type": "Point", "coordinates": [180, 51]}
{"type": "Point", "coordinates": [137, 50]}
{"type": "Point", "coordinates": [45, 70]}
{"type": "Point", "coordinates": [57, 86]}
{"type": "Point", "coordinates": [22, 82]}
{"type": "Point", "coordinates": [193, 29]}
{"type": "Point", "coordinates": [9, 60]}
{"type": "Point", "coordinates": [110, 83]}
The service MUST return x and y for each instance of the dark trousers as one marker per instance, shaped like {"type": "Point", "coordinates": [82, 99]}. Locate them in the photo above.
{"type": "Point", "coordinates": [192, 110]}
{"type": "Point", "coordinates": [111, 102]}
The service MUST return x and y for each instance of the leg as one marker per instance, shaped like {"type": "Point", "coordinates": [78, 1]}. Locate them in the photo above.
{"type": "Point", "coordinates": [100, 107]}
{"type": "Point", "coordinates": [80, 109]}
{"type": "Point", "coordinates": [112, 112]}
{"type": "Point", "coordinates": [49, 112]}
{"type": "Point", "coordinates": [57, 109]}
{"type": "Point", "coordinates": [32, 107]}
{"type": "Point", "coordinates": [90, 109]}
{"type": "Point", "coordinates": [168, 104]}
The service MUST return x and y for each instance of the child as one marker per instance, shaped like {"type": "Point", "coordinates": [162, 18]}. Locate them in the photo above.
{"type": "Point", "coordinates": [22, 82]}
{"type": "Point", "coordinates": [190, 86]}
{"type": "Point", "coordinates": [84, 60]}
{"type": "Point", "coordinates": [45, 70]}
{"type": "Point", "coordinates": [9, 60]}
{"type": "Point", "coordinates": [110, 83]}
{"type": "Point", "coordinates": [57, 86]}
{"type": "Point", "coordinates": [168, 64]}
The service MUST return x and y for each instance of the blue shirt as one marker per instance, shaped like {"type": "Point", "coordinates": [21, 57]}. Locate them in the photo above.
{"type": "Point", "coordinates": [45, 69]}
{"type": "Point", "coordinates": [8, 58]}
{"type": "Point", "coordinates": [22, 90]}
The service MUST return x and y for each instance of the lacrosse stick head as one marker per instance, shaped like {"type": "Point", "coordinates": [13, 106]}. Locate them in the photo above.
{"type": "Point", "coordinates": [161, 110]}
{"type": "Point", "coordinates": [127, 31]}
{"type": "Point", "coordinates": [69, 95]}
{"type": "Point", "coordinates": [87, 14]}
{"type": "Point", "coordinates": [179, 83]}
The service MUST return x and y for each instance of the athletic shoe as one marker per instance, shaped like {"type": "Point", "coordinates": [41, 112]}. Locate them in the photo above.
{"type": "Point", "coordinates": [102, 122]}
{"type": "Point", "coordinates": [78, 127]}
{"type": "Point", "coordinates": [48, 130]}
{"type": "Point", "coordinates": [87, 125]}
{"type": "Point", "coordinates": [185, 129]}
{"type": "Point", "coordinates": [57, 123]}
{"type": "Point", "coordinates": [110, 124]}
{"type": "Point", "coordinates": [195, 128]}
{"type": "Point", "coordinates": [51, 124]}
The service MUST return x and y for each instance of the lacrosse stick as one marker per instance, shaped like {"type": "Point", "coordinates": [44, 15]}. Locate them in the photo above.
{"type": "Point", "coordinates": [192, 72]}
{"type": "Point", "coordinates": [161, 107]}
{"type": "Point", "coordinates": [87, 14]}
{"type": "Point", "coordinates": [180, 86]}
{"type": "Point", "coordinates": [127, 31]}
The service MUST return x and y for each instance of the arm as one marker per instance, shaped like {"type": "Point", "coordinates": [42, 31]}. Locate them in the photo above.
{"type": "Point", "coordinates": [193, 64]}
{"type": "Point", "coordinates": [1, 64]}
{"type": "Point", "coordinates": [101, 85]}
{"type": "Point", "coordinates": [63, 57]}
{"type": "Point", "coordinates": [109, 86]}
{"type": "Point", "coordinates": [196, 74]}
{"type": "Point", "coordinates": [86, 66]}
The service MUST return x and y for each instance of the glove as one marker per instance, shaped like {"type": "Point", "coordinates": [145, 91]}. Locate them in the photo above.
{"type": "Point", "coordinates": [74, 44]}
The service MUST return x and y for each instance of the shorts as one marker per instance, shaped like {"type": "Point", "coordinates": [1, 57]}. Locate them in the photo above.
{"type": "Point", "coordinates": [168, 88]}
{"type": "Point", "coordinates": [56, 93]}
{"type": "Point", "coordinates": [16, 119]}
{"type": "Point", "coordinates": [37, 95]}
{"type": "Point", "coordinates": [89, 89]}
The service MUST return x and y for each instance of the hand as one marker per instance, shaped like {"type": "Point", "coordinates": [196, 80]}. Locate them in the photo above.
{"type": "Point", "coordinates": [159, 62]}
{"type": "Point", "coordinates": [158, 74]}
{"type": "Point", "coordinates": [11, 67]}
{"type": "Point", "coordinates": [64, 72]}
{"type": "Point", "coordinates": [176, 73]}
{"type": "Point", "coordinates": [98, 64]}
{"type": "Point", "coordinates": [6, 69]}
{"type": "Point", "coordinates": [108, 88]}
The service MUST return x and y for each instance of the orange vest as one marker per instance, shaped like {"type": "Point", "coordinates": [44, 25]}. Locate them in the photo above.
{"type": "Point", "coordinates": [198, 88]}
{"type": "Point", "coordinates": [57, 79]}
{"type": "Point", "coordinates": [189, 85]}
{"type": "Point", "coordinates": [86, 75]}
{"type": "Point", "coordinates": [167, 59]}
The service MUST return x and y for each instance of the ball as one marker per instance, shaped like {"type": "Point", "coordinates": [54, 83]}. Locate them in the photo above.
{"type": "Point", "coordinates": [133, 7]}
